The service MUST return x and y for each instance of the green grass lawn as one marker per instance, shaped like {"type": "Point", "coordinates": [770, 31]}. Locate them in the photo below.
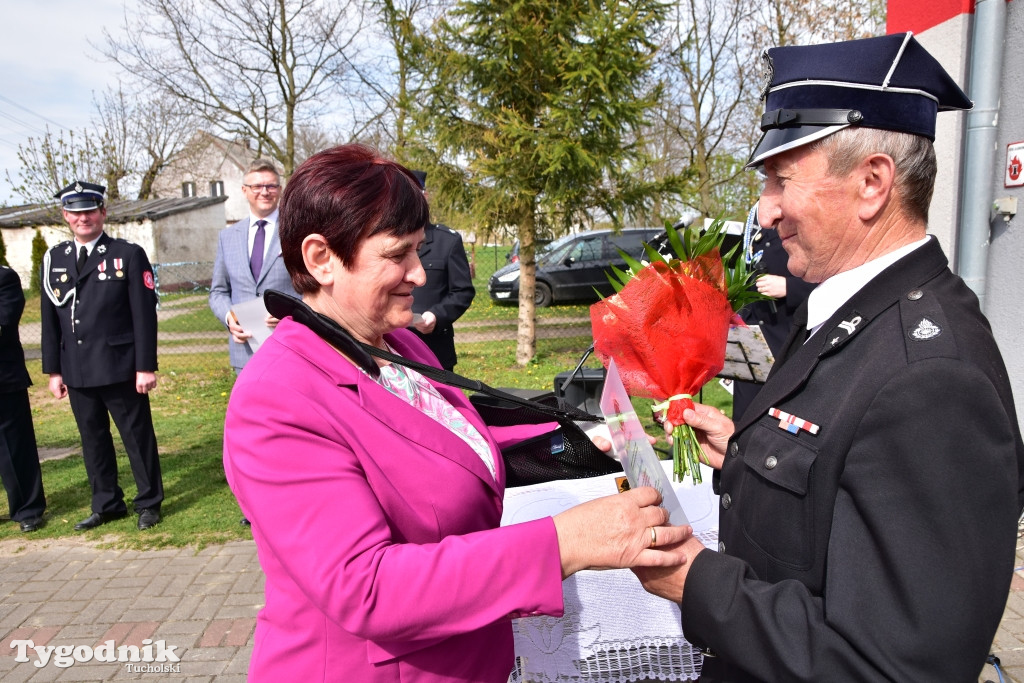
{"type": "Point", "coordinates": [188, 415]}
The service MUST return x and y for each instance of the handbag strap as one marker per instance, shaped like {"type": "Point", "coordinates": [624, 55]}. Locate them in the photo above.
{"type": "Point", "coordinates": [281, 305]}
{"type": "Point", "coordinates": [456, 380]}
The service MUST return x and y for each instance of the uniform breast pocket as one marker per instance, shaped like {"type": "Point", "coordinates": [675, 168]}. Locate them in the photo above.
{"type": "Point", "coordinates": [120, 339]}
{"type": "Point", "coordinates": [777, 509]}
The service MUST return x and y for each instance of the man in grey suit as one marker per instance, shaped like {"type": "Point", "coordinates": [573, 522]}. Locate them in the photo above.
{"type": "Point", "coordinates": [248, 261]}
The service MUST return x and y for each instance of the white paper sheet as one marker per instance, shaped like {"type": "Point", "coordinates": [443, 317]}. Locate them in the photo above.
{"type": "Point", "coordinates": [629, 442]}
{"type": "Point", "coordinates": [252, 316]}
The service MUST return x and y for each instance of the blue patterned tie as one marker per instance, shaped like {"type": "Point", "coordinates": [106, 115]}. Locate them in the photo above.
{"type": "Point", "coordinates": [256, 260]}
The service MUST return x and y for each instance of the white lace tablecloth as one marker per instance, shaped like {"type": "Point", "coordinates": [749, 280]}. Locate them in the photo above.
{"type": "Point", "coordinates": [613, 630]}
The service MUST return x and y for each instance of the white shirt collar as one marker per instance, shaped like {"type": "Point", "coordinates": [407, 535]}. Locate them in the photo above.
{"type": "Point", "coordinates": [89, 246]}
{"type": "Point", "coordinates": [830, 295]}
{"type": "Point", "coordinates": [271, 221]}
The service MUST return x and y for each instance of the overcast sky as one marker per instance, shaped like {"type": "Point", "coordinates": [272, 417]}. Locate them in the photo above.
{"type": "Point", "coordinates": [48, 72]}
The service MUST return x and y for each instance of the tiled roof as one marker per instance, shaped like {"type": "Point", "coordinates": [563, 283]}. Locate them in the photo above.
{"type": "Point", "coordinates": [30, 215]}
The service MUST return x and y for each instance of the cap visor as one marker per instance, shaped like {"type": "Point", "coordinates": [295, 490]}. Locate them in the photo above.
{"type": "Point", "coordinates": [778, 140]}
{"type": "Point", "coordinates": [82, 205]}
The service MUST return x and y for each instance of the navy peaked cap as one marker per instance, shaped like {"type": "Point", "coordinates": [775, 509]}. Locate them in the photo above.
{"type": "Point", "coordinates": [421, 177]}
{"type": "Point", "coordinates": [889, 82]}
{"type": "Point", "coordinates": [81, 196]}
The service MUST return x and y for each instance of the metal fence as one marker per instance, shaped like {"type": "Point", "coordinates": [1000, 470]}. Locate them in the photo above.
{"type": "Point", "coordinates": [187, 326]}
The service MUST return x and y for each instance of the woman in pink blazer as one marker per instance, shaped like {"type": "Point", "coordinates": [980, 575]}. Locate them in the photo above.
{"type": "Point", "coordinates": [374, 494]}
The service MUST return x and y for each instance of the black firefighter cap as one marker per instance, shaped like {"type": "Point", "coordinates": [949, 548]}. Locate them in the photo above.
{"type": "Point", "coordinates": [81, 196]}
{"type": "Point", "coordinates": [889, 82]}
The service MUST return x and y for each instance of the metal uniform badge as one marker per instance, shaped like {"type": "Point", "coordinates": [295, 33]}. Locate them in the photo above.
{"type": "Point", "coordinates": [925, 330]}
{"type": "Point", "coordinates": [102, 268]}
{"type": "Point", "coordinates": [119, 266]}
{"type": "Point", "coordinates": [102, 249]}
{"type": "Point", "coordinates": [767, 74]}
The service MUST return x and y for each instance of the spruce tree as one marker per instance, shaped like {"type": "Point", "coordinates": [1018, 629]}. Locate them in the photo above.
{"type": "Point", "coordinates": [38, 251]}
{"type": "Point", "coordinates": [533, 111]}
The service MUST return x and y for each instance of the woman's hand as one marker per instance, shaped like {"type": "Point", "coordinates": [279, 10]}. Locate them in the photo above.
{"type": "Point", "coordinates": [713, 431]}
{"type": "Point", "coordinates": [772, 285]}
{"type": "Point", "coordinates": [615, 532]}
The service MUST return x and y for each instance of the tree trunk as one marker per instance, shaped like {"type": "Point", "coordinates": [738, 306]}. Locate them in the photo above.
{"type": "Point", "coordinates": [526, 335]}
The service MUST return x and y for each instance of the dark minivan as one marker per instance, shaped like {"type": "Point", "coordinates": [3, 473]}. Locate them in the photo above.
{"type": "Point", "coordinates": [572, 267]}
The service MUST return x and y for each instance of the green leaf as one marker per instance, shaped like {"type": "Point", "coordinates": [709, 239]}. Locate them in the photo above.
{"type": "Point", "coordinates": [653, 255]}
{"type": "Point", "coordinates": [622, 276]}
{"type": "Point", "coordinates": [633, 264]}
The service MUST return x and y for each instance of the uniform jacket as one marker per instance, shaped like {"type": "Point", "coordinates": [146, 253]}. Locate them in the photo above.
{"type": "Point", "coordinates": [99, 327]}
{"type": "Point", "coordinates": [882, 547]}
{"type": "Point", "coordinates": [233, 282]}
{"type": "Point", "coordinates": [775, 317]}
{"type": "Point", "coordinates": [448, 291]}
{"type": "Point", "coordinates": [376, 527]}
{"type": "Point", "coordinates": [13, 374]}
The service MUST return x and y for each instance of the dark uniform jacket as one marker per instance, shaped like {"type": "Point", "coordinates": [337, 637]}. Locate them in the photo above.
{"type": "Point", "coordinates": [448, 291]}
{"type": "Point", "coordinates": [882, 547]}
{"type": "Point", "coordinates": [775, 316]}
{"type": "Point", "coordinates": [99, 327]}
{"type": "Point", "coordinates": [13, 374]}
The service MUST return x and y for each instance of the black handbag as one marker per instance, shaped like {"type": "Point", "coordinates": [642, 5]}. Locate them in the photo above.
{"type": "Point", "coordinates": [565, 453]}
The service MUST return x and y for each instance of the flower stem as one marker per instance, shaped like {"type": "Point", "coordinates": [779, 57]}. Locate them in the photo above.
{"type": "Point", "coordinates": [686, 454]}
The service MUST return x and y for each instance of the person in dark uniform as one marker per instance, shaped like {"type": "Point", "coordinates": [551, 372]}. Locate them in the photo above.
{"type": "Point", "coordinates": [869, 495]}
{"type": "Point", "coordinates": [763, 251]}
{"type": "Point", "coordinates": [448, 291]}
{"type": "Point", "coordinates": [19, 459]}
{"type": "Point", "coordinates": [99, 348]}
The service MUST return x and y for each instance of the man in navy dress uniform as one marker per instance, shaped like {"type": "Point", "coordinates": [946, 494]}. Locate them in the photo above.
{"type": "Point", "coordinates": [99, 348]}
{"type": "Point", "coordinates": [448, 291]}
{"type": "Point", "coordinates": [19, 459]}
{"type": "Point", "coordinates": [869, 495]}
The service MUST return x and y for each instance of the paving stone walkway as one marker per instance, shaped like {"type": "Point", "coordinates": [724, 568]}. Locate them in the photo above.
{"type": "Point", "coordinates": [201, 604]}
{"type": "Point", "coordinates": [76, 602]}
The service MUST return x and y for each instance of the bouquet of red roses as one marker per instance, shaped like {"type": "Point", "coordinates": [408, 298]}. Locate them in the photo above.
{"type": "Point", "coordinates": [667, 325]}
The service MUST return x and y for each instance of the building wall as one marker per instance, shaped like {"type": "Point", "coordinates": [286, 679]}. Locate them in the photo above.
{"type": "Point", "coordinates": [19, 247]}
{"type": "Point", "coordinates": [1005, 282]}
{"type": "Point", "coordinates": [945, 28]}
{"type": "Point", "coordinates": [204, 160]}
{"type": "Point", "coordinates": [948, 43]}
{"type": "Point", "coordinates": [189, 236]}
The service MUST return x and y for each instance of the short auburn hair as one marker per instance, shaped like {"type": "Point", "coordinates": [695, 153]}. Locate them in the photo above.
{"type": "Point", "coordinates": [347, 194]}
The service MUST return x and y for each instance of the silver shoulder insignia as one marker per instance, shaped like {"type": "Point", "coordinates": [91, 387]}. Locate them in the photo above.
{"type": "Point", "coordinates": [925, 330]}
